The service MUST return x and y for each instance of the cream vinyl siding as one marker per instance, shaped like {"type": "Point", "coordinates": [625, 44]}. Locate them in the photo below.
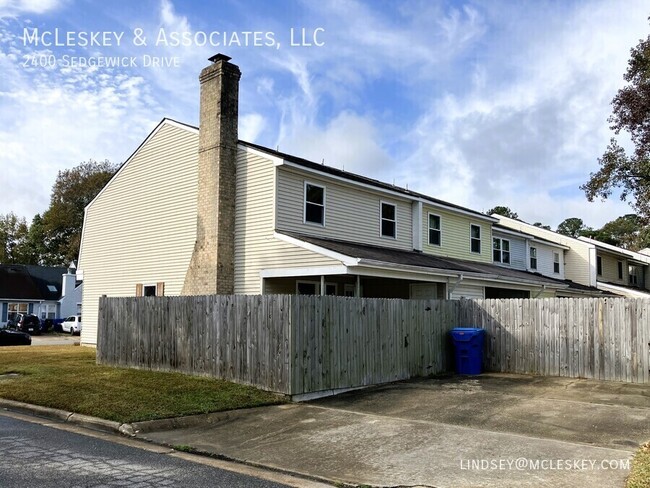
{"type": "Point", "coordinates": [454, 234]}
{"type": "Point", "coordinates": [255, 246]}
{"type": "Point", "coordinates": [142, 226]}
{"type": "Point", "coordinates": [468, 291]}
{"type": "Point", "coordinates": [610, 269]}
{"type": "Point", "coordinates": [351, 213]}
{"type": "Point", "coordinates": [517, 250]}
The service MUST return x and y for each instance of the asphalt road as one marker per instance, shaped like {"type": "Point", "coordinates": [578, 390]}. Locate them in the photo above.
{"type": "Point", "coordinates": [38, 456]}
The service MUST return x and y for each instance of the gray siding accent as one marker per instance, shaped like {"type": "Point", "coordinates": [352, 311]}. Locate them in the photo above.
{"type": "Point", "coordinates": [351, 213]}
{"type": "Point", "coordinates": [517, 250]}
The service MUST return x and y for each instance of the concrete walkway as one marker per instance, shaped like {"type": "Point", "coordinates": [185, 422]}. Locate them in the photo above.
{"type": "Point", "coordinates": [492, 430]}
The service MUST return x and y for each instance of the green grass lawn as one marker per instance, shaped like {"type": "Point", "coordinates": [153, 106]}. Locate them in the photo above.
{"type": "Point", "coordinates": [640, 475]}
{"type": "Point", "coordinates": [67, 378]}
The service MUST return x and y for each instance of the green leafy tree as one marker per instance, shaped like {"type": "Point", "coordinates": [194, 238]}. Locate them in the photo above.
{"type": "Point", "coordinates": [627, 232]}
{"type": "Point", "coordinates": [13, 238]}
{"type": "Point", "coordinates": [572, 227]}
{"type": "Point", "coordinates": [542, 226]}
{"type": "Point", "coordinates": [62, 222]}
{"type": "Point", "coordinates": [502, 210]}
{"type": "Point", "coordinates": [631, 113]}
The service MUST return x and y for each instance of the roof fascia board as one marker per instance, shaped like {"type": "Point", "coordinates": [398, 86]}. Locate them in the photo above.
{"type": "Point", "coordinates": [451, 273]}
{"type": "Point", "coordinates": [306, 271]}
{"type": "Point", "coordinates": [276, 160]}
{"type": "Point", "coordinates": [395, 194]}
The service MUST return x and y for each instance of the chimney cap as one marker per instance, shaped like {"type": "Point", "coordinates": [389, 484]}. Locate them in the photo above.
{"type": "Point", "coordinates": [219, 57]}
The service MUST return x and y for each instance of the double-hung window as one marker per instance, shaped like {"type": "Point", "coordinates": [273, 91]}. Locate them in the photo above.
{"type": "Point", "coordinates": [501, 250]}
{"type": "Point", "coordinates": [314, 204]}
{"type": "Point", "coordinates": [435, 237]}
{"type": "Point", "coordinates": [533, 258]}
{"type": "Point", "coordinates": [556, 262]}
{"type": "Point", "coordinates": [620, 270]}
{"type": "Point", "coordinates": [388, 220]}
{"type": "Point", "coordinates": [475, 238]}
{"type": "Point", "coordinates": [599, 266]}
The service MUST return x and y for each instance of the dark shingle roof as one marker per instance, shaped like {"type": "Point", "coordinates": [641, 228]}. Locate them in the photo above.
{"type": "Point", "coordinates": [415, 258]}
{"type": "Point", "coordinates": [24, 282]}
{"type": "Point", "coordinates": [358, 178]}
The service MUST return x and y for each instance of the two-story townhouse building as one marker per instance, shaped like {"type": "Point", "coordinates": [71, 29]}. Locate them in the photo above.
{"type": "Point", "coordinates": [619, 270]}
{"type": "Point", "coordinates": [592, 264]}
{"type": "Point", "coordinates": [197, 211]}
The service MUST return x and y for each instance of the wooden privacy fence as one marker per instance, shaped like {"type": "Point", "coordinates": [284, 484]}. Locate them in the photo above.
{"type": "Point", "coordinates": [303, 344]}
{"type": "Point", "coordinates": [599, 338]}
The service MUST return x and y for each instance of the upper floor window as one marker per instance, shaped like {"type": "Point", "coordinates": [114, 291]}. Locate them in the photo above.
{"type": "Point", "coordinates": [501, 250]}
{"type": "Point", "coordinates": [634, 280]}
{"type": "Point", "coordinates": [556, 262]}
{"type": "Point", "coordinates": [599, 265]}
{"type": "Point", "coordinates": [387, 219]}
{"type": "Point", "coordinates": [620, 270]}
{"type": "Point", "coordinates": [533, 258]}
{"type": "Point", "coordinates": [434, 230]}
{"type": "Point", "coordinates": [314, 204]}
{"type": "Point", "coordinates": [475, 238]}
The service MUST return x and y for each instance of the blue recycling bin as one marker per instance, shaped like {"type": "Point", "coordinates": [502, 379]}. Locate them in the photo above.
{"type": "Point", "coordinates": [468, 349]}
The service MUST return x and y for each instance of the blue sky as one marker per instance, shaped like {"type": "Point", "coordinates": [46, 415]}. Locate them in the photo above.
{"type": "Point", "coordinates": [478, 103]}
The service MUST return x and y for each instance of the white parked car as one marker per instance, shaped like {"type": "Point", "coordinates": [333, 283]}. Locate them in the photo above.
{"type": "Point", "coordinates": [72, 324]}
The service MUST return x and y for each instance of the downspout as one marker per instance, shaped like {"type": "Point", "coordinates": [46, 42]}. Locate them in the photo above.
{"type": "Point", "coordinates": [541, 290]}
{"type": "Point", "coordinates": [450, 292]}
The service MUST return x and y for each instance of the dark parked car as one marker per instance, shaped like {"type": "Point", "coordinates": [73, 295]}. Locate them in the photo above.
{"type": "Point", "coordinates": [14, 338]}
{"type": "Point", "coordinates": [26, 323]}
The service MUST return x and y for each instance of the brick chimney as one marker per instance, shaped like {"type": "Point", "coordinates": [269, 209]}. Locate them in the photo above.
{"type": "Point", "coordinates": [212, 268]}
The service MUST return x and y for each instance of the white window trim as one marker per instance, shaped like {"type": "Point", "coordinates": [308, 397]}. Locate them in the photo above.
{"type": "Point", "coordinates": [559, 263]}
{"type": "Point", "coordinates": [531, 257]}
{"type": "Point", "coordinates": [501, 251]}
{"type": "Point", "coordinates": [150, 285]}
{"type": "Point", "coordinates": [304, 203]}
{"type": "Point", "coordinates": [619, 270]}
{"type": "Point", "coordinates": [480, 239]}
{"type": "Point", "coordinates": [429, 214]}
{"type": "Point", "coordinates": [348, 287]}
{"type": "Point", "coordinates": [381, 219]}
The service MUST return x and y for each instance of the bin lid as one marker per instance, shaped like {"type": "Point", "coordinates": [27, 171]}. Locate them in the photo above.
{"type": "Point", "coordinates": [466, 333]}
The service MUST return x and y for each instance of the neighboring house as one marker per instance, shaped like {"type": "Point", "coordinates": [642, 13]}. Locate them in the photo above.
{"type": "Point", "coordinates": [593, 264]}
{"type": "Point", "coordinates": [197, 211]}
{"type": "Point", "coordinates": [48, 292]}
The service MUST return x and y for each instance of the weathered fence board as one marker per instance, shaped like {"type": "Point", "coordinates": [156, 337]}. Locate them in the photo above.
{"type": "Point", "coordinates": [301, 344]}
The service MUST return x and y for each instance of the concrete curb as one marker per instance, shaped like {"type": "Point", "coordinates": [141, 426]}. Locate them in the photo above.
{"type": "Point", "coordinates": [136, 430]}
{"type": "Point", "coordinates": [86, 421]}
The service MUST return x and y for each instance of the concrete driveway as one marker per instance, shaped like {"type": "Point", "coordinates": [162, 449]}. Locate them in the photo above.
{"type": "Point", "coordinates": [55, 340]}
{"type": "Point", "coordinates": [492, 430]}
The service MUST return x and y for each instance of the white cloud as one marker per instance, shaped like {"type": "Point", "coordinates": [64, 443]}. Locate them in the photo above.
{"type": "Point", "coordinates": [53, 119]}
{"type": "Point", "coordinates": [530, 140]}
{"type": "Point", "coordinates": [14, 8]}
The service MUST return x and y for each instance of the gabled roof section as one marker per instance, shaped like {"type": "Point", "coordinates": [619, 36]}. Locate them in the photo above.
{"type": "Point", "coordinates": [22, 282]}
{"type": "Point", "coordinates": [641, 258]}
{"type": "Point", "coordinates": [363, 180]}
{"type": "Point", "coordinates": [366, 253]}
{"type": "Point", "coordinates": [525, 235]}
